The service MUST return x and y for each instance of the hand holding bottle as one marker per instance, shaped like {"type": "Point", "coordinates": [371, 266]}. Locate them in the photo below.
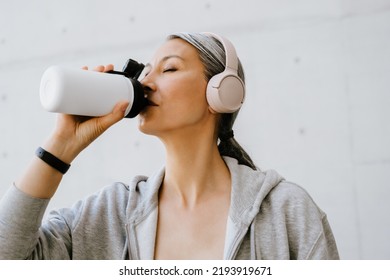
{"type": "Point", "coordinates": [70, 136]}
{"type": "Point", "coordinates": [73, 133]}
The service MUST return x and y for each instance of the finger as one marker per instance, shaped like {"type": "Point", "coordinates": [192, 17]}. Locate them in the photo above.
{"type": "Point", "coordinates": [109, 67]}
{"type": "Point", "coordinates": [84, 67]}
{"type": "Point", "coordinates": [116, 115]}
{"type": "Point", "coordinates": [99, 68]}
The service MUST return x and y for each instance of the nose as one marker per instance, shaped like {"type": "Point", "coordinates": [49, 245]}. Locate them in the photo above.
{"type": "Point", "coordinates": [147, 89]}
{"type": "Point", "coordinates": [148, 84]}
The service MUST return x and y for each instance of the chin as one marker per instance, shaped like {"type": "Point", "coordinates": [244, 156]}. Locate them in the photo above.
{"type": "Point", "coordinates": [144, 125]}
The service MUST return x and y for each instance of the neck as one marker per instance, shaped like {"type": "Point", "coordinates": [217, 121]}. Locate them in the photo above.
{"type": "Point", "coordinates": [194, 168]}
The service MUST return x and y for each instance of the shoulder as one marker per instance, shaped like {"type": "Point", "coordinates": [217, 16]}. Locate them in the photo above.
{"type": "Point", "coordinates": [293, 200]}
{"type": "Point", "coordinates": [94, 206]}
{"type": "Point", "coordinates": [120, 197]}
{"type": "Point", "coordinates": [116, 192]}
{"type": "Point", "coordinates": [289, 191]}
{"type": "Point", "coordinates": [112, 198]}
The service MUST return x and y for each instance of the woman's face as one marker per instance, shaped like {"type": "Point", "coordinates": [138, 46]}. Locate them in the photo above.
{"type": "Point", "coordinates": [176, 88]}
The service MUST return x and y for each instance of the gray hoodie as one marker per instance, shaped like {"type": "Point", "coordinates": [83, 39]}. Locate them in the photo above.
{"type": "Point", "coordinates": [269, 218]}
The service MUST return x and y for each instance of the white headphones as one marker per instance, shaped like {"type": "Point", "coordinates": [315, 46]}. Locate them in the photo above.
{"type": "Point", "coordinates": [226, 91]}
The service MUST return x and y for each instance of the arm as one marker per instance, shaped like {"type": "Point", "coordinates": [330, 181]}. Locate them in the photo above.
{"type": "Point", "coordinates": [71, 135]}
{"type": "Point", "coordinates": [21, 210]}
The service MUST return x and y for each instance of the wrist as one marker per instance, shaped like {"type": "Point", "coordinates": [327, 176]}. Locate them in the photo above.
{"type": "Point", "coordinates": [61, 149]}
{"type": "Point", "coordinates": [52, 160]}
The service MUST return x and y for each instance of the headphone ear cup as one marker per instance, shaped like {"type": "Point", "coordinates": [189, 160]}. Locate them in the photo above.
{"type": "Point", "coordinates": [225, 92]}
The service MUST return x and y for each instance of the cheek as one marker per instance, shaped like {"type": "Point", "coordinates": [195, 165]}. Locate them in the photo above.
{"type": "Point", "coordinates": [180, 106]}
{"type": "Point", "coordinates": [194, 90]}
{"type": "Point", "coordinates": [189, 100]}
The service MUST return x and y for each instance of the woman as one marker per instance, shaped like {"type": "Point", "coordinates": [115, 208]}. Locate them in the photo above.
{"type": "Point", "coordinates": [208, 202]}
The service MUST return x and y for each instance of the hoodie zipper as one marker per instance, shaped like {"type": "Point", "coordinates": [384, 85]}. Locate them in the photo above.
{"type": "Point", "coordinates": [236, 244]}
{"type": "Point", "coordinates": [132, 243]}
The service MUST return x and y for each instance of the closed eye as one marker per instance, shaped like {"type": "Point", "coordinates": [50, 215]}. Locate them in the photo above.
{"type": "Point", "coordinates": [170, 70]}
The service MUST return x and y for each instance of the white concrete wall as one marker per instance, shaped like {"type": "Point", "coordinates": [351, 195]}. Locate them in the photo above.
{"type": "Point", "coordinates": [317, 110]}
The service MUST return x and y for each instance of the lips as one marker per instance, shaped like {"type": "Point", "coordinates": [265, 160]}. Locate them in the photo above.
{"type": "Point", "coordinates": [151, 103]}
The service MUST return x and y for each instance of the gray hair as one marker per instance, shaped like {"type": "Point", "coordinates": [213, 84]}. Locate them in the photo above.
{"type": "Point", "coordinates": [213, 57]}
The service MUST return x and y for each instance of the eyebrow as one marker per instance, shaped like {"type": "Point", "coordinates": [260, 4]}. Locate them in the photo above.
{"type": "Point", "coordinates": [165, 58]}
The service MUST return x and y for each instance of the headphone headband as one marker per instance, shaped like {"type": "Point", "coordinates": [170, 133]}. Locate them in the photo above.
{"type": "Point", "coordinates": [231, 55]}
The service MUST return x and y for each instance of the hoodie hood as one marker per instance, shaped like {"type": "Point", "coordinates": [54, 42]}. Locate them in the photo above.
{"type": "Point", "coordinates": [249, 188]}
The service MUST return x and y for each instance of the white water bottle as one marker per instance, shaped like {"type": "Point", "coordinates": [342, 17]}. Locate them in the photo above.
{"type": "Point", "coordinates": [89, 93]}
